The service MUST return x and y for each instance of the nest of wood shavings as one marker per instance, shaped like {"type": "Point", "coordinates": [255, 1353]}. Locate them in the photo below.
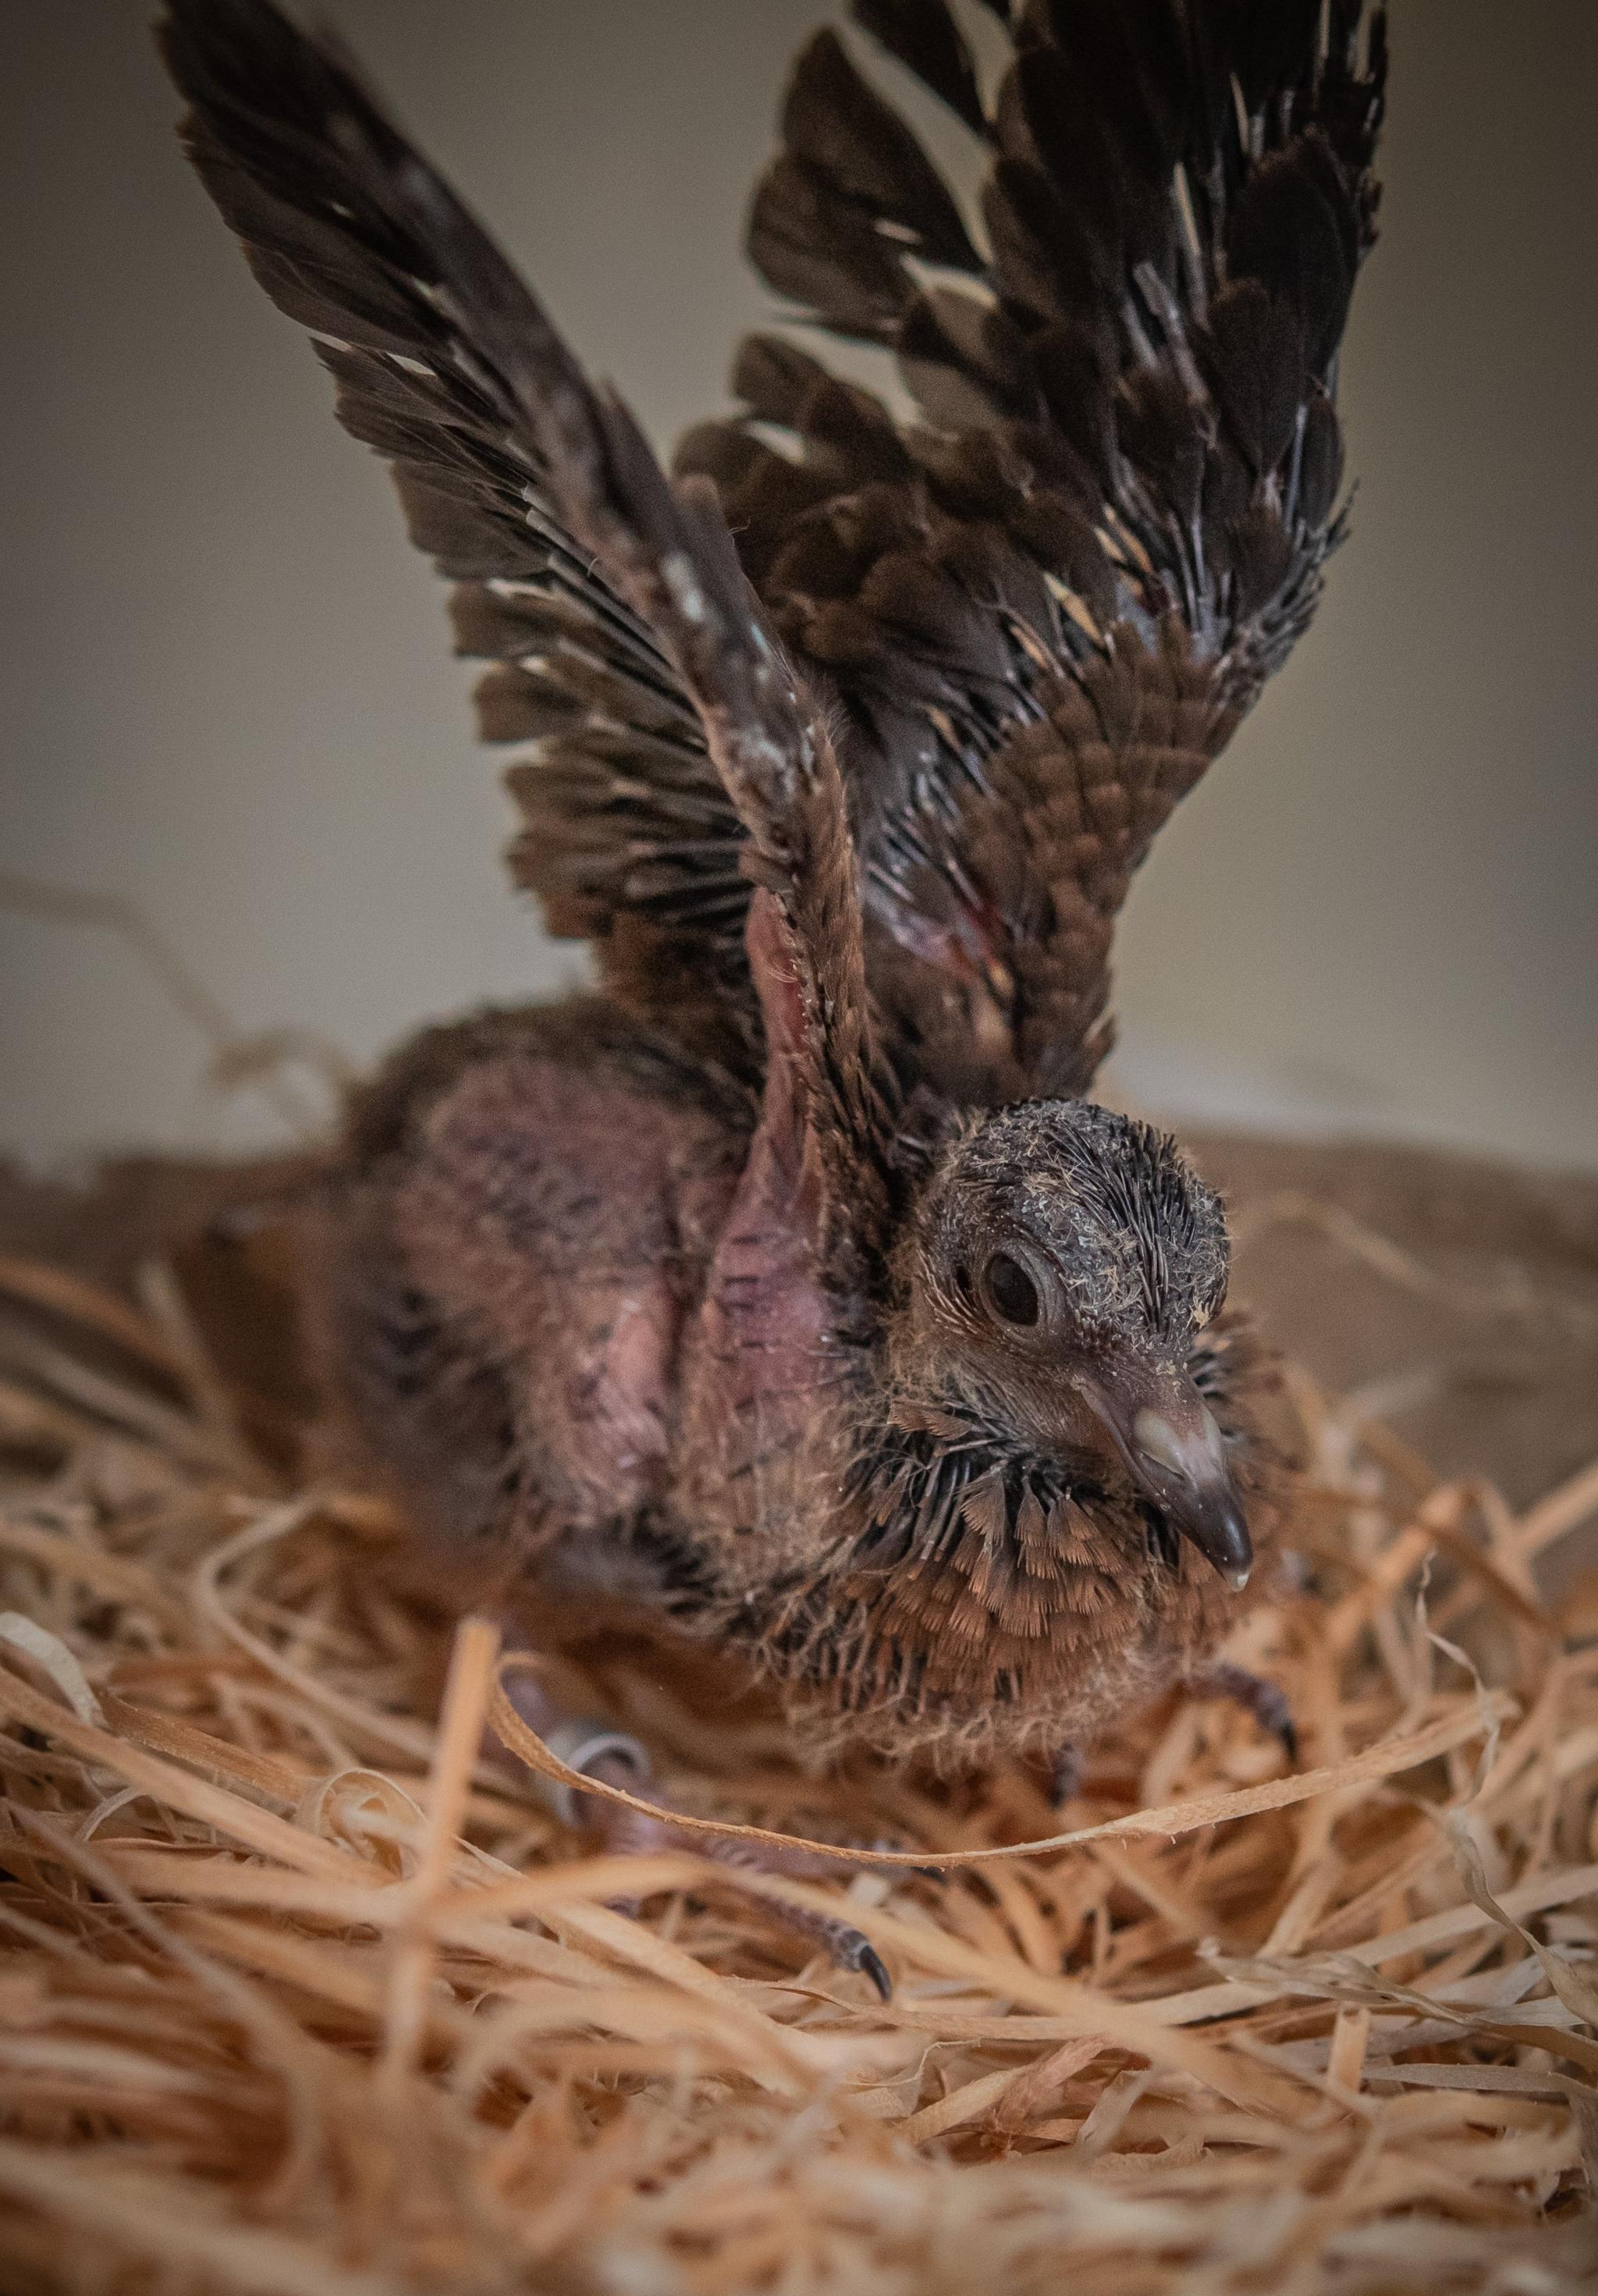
{"type": "Point", "coordinates": [305, 1991]}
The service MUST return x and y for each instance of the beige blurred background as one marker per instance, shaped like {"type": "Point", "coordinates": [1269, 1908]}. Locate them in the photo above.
{"type": "Point", "coordinates": [228, 696]}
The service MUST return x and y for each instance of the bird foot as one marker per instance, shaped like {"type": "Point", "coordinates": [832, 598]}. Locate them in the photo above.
{"type": "Point", "coordinates": [1261, 1699]}
{"type": "Point", "coordinates": [611, 1758]}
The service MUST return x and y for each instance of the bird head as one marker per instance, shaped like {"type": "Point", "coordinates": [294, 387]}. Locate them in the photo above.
{"type": "Point", "coordinates": [1061, 1262]}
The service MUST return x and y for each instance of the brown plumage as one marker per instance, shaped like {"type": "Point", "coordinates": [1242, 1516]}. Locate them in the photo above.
{"type": "Point", "coordinates": [789, 1292]}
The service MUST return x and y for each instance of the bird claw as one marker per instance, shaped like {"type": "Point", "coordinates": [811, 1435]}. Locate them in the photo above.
{"type": "Point", "coordinates": [610, 1758]}
{"type": "Point", "coordinates": [847, 1946]}
{"type": "Point", "coordinates": [1264, 1701]}
{"type": "Point", "coordinates": [870, 1961]}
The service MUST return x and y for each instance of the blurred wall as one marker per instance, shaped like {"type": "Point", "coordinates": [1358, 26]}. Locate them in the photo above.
{"type": "Point", "coordinates": [229, 696]}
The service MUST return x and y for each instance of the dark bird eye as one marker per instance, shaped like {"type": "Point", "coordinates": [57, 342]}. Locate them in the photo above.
{"type": "Point", "coordinates": [1012, 1293]}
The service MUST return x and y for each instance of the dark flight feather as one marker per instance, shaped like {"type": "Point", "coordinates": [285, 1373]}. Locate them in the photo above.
{"type": "Point", "coordinates": [632, 844]}
{"type": "Point", "coordinates": [923, 35]}
{"type": "Point", "coordinates": [845, 136]}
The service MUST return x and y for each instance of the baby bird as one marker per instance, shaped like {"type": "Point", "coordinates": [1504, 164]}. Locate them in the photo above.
{"type": "Point", "coordinates": [787, 1293]}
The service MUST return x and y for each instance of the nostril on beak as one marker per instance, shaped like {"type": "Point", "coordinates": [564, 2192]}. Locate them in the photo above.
{"type": "Point", "coordinates": [1158, 1442]}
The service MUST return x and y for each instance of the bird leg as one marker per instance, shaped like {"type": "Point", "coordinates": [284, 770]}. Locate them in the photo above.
{"type": "Point", "coordinates": [1262, 1699]}
{"type": "Point", "coordinates": [610, 1756]}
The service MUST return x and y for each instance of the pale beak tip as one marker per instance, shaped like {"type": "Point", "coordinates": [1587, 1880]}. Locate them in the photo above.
{"type": "Point", "coordinates": [1239, 1578]}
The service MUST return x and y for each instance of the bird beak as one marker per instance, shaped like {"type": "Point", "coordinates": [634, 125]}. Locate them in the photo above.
{"type": "Point", "coordinates": [1169, 1444]}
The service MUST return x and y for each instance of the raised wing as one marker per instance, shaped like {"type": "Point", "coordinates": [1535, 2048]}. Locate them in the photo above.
{"type": "Point", "coordinates": [1045, 602]}
{"type": "Point", "coordinates": [628, 836]}
{"type": "Point", "coordinates": [685, 759]}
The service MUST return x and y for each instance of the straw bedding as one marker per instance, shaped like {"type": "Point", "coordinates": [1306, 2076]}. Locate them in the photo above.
{"type": "Point", "coordinates": [304, 1990]}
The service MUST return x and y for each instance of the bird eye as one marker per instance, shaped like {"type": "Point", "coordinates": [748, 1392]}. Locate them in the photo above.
{"type": "Point", "coordinates": [1011, 1291]}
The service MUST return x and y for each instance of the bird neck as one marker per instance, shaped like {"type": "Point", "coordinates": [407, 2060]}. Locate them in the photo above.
{"type": "Point", "coordinates": [935, 1484]}
{"type": "Point", "coordinates": [951, 1548]}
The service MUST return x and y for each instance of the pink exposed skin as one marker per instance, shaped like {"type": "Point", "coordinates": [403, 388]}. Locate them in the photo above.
{"type": "Point", "coordinates": [664, 1304]}
{"type": "Point", "coordinates": [556, 1216]}
{"type": "Point", "coordinates": [650, 1269]}
{"type": "Point", "coordinates": [760, 1361]}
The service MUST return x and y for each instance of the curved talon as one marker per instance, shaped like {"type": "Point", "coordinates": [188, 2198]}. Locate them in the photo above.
{"type": "Point", "coordinates": [870, 1961]}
